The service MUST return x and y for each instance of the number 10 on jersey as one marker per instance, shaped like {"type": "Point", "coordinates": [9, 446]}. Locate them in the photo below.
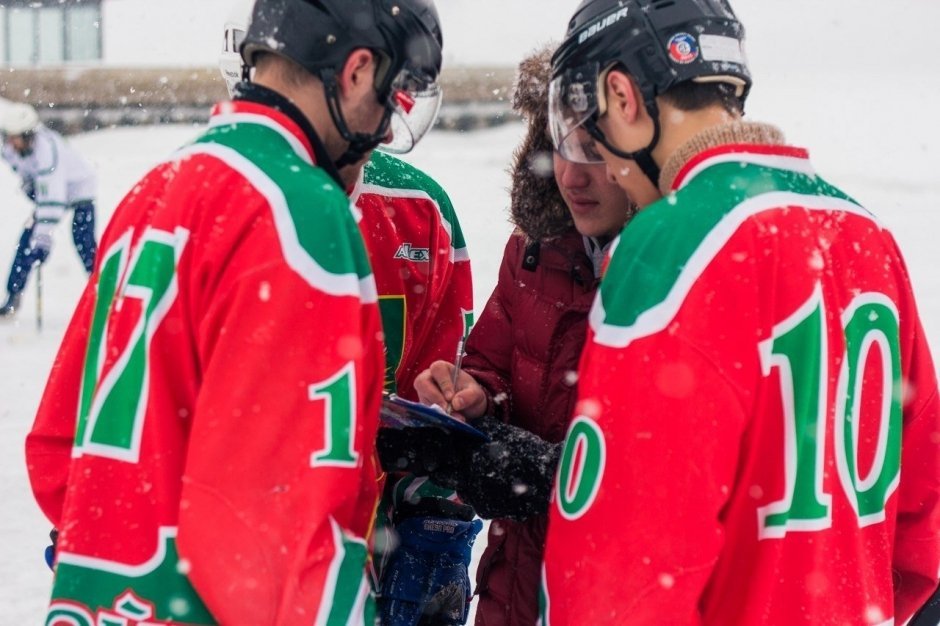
{"type": "Point", "coordinates": [798, 349]}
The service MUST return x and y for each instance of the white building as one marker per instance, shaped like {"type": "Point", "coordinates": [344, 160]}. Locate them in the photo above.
{"type": "Point", "coordinates": [126, 33]}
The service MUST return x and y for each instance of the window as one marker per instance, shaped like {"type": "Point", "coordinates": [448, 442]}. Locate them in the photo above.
{"type": "Point", "coordinates": [51, 42]}
{"type": "Point", "coordinates": [21, 28]}
{"type": "Point", "coordinates": [83, 32]}
{"type": "Point", "coordinates": [50, 32]}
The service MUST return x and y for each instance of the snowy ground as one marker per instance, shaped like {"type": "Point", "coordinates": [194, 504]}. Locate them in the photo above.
{"type": "Point", "coordinates": [881, 146]}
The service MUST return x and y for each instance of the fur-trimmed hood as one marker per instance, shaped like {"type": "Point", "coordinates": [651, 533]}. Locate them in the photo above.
{"type": "Point", "coordinates": [538, 209]}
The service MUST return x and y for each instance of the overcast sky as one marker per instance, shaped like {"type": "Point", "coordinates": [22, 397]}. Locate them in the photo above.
{"type": "Point", "coordinates": [793, 35]}
{"type": "Point", "coordinates": [857, 33]}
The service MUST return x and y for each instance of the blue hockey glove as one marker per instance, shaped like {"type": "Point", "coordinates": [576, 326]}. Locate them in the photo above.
{"type": "Point", "coordinates": [426, 581]}
{"type": "Point", "coordinates": [50, 550]}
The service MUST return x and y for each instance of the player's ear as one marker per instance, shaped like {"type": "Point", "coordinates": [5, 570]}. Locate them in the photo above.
{"type": "Point", "coordinates": [357, 77]}
{"type": "Point", "coordinates": [623, 98]}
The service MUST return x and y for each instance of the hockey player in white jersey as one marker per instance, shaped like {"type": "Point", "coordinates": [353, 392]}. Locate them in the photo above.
{"type": "Point", "coordinates": [58, 180]}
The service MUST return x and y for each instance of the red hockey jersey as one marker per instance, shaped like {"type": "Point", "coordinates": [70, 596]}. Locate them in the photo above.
{"type": "Point", "coordinates": [421, 266]}
{"type": "Point", "coordinates": [422, 273]}
{"type": "Point", "coordinates": [204, 441]}
{"type": "Point", "coordinates": [756, 439]}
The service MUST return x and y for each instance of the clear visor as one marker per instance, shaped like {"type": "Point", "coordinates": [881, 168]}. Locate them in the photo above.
{"type": "Point", "coordinates": [414, 103]}
{"type": "Point", "coordinates": [572, 101]}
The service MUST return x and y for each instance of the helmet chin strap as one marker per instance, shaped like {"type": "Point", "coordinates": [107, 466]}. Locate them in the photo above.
{"type": "Point", "coordinates": [359, 143]}
{"type": "Point", "coordinates": [644, 156]}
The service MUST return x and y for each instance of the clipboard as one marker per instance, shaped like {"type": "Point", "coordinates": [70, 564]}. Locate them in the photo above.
{"type": "Point", "coordinates": [397, 412]}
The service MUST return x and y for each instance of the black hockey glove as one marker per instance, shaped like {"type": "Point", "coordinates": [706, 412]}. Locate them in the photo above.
{"type": "Point", "coordinates": [418, 451]}
{"type": "Point", "coordinates": [511, 476]}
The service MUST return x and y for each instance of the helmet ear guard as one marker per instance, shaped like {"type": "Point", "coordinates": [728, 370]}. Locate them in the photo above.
{"type": "Point", "coordinates": [231, 65]}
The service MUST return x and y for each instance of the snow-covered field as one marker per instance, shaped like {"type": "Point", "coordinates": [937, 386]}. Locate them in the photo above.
{"type": "Point", "coordinates": [861, 96]}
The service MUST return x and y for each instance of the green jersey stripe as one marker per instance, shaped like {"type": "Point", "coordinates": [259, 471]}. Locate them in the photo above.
{"type": "Point", "coordinates": [314, 199]}
{"type": "Point", "coordinates": [776, 161]}
{"type": "Point", "coordinates": [300, 235]}
{"type": "Point", "coordinates": [658, 286]}
{"type": "Point", "coordinates": [386, 172]}
{"type": "Point", "coordinates": [346, 599]}
{"type": "Point", "coordinates": [233, 119]}
{"type": "Point", "coordinates": [545, 601]}
{"type": "Point", "coordinates": [456, 254]}
{"type": "Point", "coordinates": [98, 582]}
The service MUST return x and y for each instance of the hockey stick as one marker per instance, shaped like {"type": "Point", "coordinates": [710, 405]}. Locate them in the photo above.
{"type": "Point", "coordinates": [39, 297]}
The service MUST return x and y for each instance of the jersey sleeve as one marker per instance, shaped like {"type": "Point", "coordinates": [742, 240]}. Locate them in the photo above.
{"type": "Point", "coordinates": [663, 508]}
{"type": "Point", "coordinates": [916, 553]}
{"type": "Point", "coordinates": [280, 483]}
{"type": "Point", "coordinates": [49, 442]}
{"type": "Point", "coordinates": [51, 179]}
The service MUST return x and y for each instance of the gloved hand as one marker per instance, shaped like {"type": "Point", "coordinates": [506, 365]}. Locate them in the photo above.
{"type": "Point", "coordinates": [426, 582]}
{"type": "Point", "coordinates": [418, 451]}
{"type": "Point", "coordinates": [40, 240]}
{"type": "Point", "coordinates": [50, 550]}
{"type": "Point", "coordinates": [510, 476]}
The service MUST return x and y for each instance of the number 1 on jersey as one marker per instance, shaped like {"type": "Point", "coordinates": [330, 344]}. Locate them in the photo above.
{"type": "Point", "coordinates": [338, 396]}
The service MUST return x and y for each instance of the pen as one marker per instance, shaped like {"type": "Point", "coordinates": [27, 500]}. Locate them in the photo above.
{"type": "Point", "coordinates": [458, 360]}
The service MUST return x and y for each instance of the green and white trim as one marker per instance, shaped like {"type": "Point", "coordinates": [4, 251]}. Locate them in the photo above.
{"type": "Point", "coordinates": [297, 256]}
{"type": "Point", "coordinates": [636, 322]}
{"type": "Point", "coordinates": [232, 119]}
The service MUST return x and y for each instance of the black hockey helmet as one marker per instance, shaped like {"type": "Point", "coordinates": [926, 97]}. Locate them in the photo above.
{"type": "Point", "coordinates": [659, 43]}
{"type": "Point", "coordinates": [319, 35]}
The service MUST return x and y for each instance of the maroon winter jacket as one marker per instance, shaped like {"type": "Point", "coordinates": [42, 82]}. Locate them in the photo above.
{"type": "Point", "coordinates": [524, 350]}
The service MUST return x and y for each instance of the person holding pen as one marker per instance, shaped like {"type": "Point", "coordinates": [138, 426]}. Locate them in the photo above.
{"type": "Point", "coordinates": [517, 382]}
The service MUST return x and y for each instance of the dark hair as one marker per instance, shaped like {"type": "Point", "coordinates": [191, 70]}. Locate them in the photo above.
{"type": "Point", "coordinates": [692, 96]}
{"type": "Point", "coordinates": [289, 70]}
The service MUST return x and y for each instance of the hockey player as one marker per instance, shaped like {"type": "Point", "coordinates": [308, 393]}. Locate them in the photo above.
{"type": "Point", "coordinates": [755, 440]}
{"type": "Point", "coordinates": [59, 181]}
{"type": "Point", "coordinates": [418, 252]}
{"type": "Point", "coordinates": [422, 273]}
{"type": "Point", "coordinates": [204, 443]}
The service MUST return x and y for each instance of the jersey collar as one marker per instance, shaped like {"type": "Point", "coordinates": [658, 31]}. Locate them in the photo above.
{"type": "Point", "coordinates": [776, 156]}
{"type": "Point", "coordinates": [267, 106]}
{"type": "Point", "coordinates": [744, 141]}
